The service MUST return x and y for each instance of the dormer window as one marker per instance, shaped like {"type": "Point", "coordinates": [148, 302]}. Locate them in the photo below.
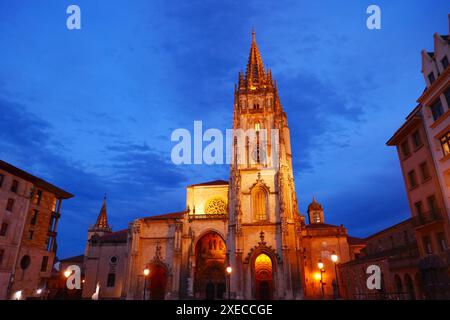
{"type": "Point", "coordinates": [431, 77]}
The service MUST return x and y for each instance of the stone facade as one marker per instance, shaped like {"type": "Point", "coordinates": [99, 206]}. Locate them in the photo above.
{"type": "Point", "coordinates": [395, 251]}
{"type": "Point", "coordinates": [29, 212]}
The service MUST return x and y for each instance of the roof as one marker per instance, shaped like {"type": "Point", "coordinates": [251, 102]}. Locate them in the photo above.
{"type": "Point", "coordinates": [355, 241]}
{"type": "Point", "coordinates": [410, 124]}
{"type": "Point", "coordinates": [409, 220]}
{"type": "Point", "coordinates": [172, 215]}
{"type": "Point", "coordinates": [79, 258]}
{"type": "Point", "coordinates": [102, 219]}
{"type": "Point", "coordinates": [321, 226]}
{"type": "Point", "coordinates": [120, 236]}
{"type": "Point", "coordinates": [210, 183]}
{"type": "Point", "coordinates": [35, 180]}
{"type": "Point", "coordinates": [314, 205]}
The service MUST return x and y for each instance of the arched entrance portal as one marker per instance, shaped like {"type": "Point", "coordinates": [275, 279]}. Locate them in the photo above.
{"type": "Point", "coordinates": [263, 277]}
{"type": "Point", "coordinates": [158, 282]}
{"type": "Point", "coordinates": [210, 253]}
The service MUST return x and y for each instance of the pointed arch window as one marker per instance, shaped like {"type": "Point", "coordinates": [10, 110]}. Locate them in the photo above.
{"type": "Point", "coordinates": [259, 204]}
{"type": "Point", "coordinates": [258, 147]}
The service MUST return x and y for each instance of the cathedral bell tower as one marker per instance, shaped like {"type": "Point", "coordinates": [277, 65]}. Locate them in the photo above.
{"type": "Point", "coordinates": [263, 240]}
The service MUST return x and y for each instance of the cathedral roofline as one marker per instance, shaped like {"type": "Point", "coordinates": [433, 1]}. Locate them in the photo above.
{"type": "Point", "coordinates": [120, 236]}
{"type": "Point", "coordinates": [210, 183]}
{"type": "Point", "coordinates": [171, 215]}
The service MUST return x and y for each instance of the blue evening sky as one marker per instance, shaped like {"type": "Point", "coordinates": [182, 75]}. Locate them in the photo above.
{"type": "Point", "coordinates": [92, 110]}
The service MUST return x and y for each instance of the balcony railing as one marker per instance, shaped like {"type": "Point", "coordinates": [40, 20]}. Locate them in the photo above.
{"type": "Point", "coordinates": [427, 217]}
{"type": "Point", "coordinates": [222, 216]}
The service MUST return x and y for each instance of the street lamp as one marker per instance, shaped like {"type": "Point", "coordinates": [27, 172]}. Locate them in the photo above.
{"type": "Point", "coordinates": [335, 258]}
{"type": "Point", "coordinates": [322, 271]}
{"type": "Point", "coordinates": [146, 273]}
{"type": "Point", "coordinates": [67, 274]}
{"type": "Point", "coordinates": [229, 270]}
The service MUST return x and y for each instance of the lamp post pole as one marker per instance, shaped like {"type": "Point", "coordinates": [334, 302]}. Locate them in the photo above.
{"type": "Point", "coordinates": [67, 274]}
{"type": "Point", "coordinates": [334, 258]}
{"type": "Point", "coordinates": [146, 273]}
{"type": "Point", "coordinates": [322, 271]}
{"type": "Point", "coordinates": [229, 270]}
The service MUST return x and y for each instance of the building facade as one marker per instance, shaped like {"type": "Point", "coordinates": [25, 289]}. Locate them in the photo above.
{"type": "Point", "coordinates": [395, 251]}
{"type": "Point", "coordinates": [29, 212]}
{"type": "Point", "coordinates": [424, 151]}
{"type": "Point", "coordinates": [249, 225]}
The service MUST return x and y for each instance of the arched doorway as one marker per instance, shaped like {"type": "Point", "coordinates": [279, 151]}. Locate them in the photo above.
{"type": "Point", "coordinates": [210, 279]}
{"type": "Point", "coordinates": [398, 284]}
{"type": "Point", "coordinates": [263, 277]}
{"type": "Point", "coordinates": [158, 282]}
{"type": "Point", "coordinates": [410, 287]}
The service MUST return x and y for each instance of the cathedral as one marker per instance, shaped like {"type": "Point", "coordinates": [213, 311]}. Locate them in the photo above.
{"type": "Point", "coordinates": [238, 239]}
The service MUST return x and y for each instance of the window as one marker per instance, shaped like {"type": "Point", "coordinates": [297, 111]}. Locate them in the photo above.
{"type": "Point", "coordinates": [424, 171]}
{"type": "Point", "coordinates": [427, 245]}
{"type": "Point", "coordinates": [10, 204]}
{"type": "Point", "coordinates": [38, 197]}
{"type": "Point", "coordinates": [406, 237]}
{"type": "Point", "coordinates": [30, 234]}
{"type": "Point", "coordinates": [2, 177]}
{"type": "Point", "coordinates": [431, 77]}
{"type": "Point", "coordinates": [14, 186]}
{"type": "Point", "coordinates": [2, 254]}
{"type": "Point", "coordinates": [442, 241]}
{"type": "Point", "coordinates": [419, 207]}
{"type": "Point", "coordinates": [3, 229]}
{"type": "Point", "coordinates": [436, 110]}
{"type": "Point", "coordinates": [405, 148]}
{"type": "Point", "coordinates": [412, 179]}
{"type": "Point", "coordinates": [316, 217]}
{"type": "Point", "coordinates": [416, 139]}
{"type": "Point", "coordinates": [259, 204]}
{"type": "Point", "coordinates": [444, 62]}
{"type": "Point", "coordinates": [44, 263]}
{"type": "Point", "coordinates": [447, 97]}
{"type": "Point", "coordinates": [111, 280]}
{"type": "Point", "coordinates": [216, 206]}
{"type": "Point", "coordinates": [25, 262]}
{"type": "Point", "coordinates": [432, 204]}
{"type": "Point", "coordinates": [34, 217]}
{"type": "Point", "coordinates": [445, 143]}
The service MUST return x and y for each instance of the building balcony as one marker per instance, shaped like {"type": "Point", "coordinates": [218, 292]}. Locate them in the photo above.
{"type": "Point", "coordinates": [222, 216]}
{"type": "Point", "coordinates": [428, 218]}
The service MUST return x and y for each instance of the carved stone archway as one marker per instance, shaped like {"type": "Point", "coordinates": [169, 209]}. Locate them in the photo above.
{"type": "Point", "coordinates": [209, 276]}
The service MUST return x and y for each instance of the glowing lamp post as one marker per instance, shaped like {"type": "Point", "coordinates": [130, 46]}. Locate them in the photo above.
{"type": "Point", "coordinates": [229, 270]}
{"type": "Point", "coordinates": [146, 273]}
{"type": "Point", "coordinates": [335, 258]}
{"type": "Point", "coordinates": [67, 274]}
{"type": "Point", "coordinates": [322, 271]}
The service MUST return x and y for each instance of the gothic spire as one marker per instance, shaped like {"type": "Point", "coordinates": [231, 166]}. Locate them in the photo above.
{"type": "Point", "coordinates": [102, 219]}
{"type": "Point", "coordinates": [255, 74]}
